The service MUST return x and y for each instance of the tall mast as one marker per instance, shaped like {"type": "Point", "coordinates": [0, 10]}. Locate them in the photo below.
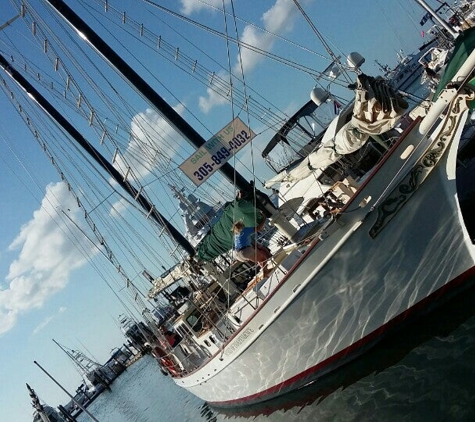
{"type": "Point", "coordinates": [170, 115]}
{"type": "Point", "coordinates": [96, 155]}
{"type": "Point", "coordinates": [35, 402]}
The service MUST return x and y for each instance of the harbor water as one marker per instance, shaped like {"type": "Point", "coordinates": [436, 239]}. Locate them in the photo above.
{"type": "Point", "coordinates": [425, 371]}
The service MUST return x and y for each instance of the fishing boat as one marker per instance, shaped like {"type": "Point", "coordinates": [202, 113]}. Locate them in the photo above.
{"type": "Point", "coordinates": [384, 234]}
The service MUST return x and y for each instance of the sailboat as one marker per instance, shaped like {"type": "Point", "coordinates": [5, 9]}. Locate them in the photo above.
{"type": "Point", "coordinates": [385, 233]}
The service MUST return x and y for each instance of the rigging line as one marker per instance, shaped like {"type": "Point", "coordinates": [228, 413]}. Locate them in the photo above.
{"type": "Point", "coordinates": [115, 262]}
{"type": "Point", "coordinates": [19, 35]}
{"type": "Point", "coordinates": [9, 22]}
{"type": "Point", "coordinates": [145, 90]}
{"type": "Point", "coordinates": [121, 241]}
{"type": "Point", "coordinates": [69, 233]}
{"type": "Point", "coordinates": [119, 234]}
{"type": "Point", "coordinates": [56, 160]}
{"type": "Point", "coordinates": [134, 206]}
{"type": "Point", "coordinates": [63, 79]}
{"type": "Point", "coordinates": [410, 16]}
{"type": "Point", "coordinates": [146, 31]}
{"type": "Point", "coordinates": [335, 59]}
{"type": "Point", "coordinates": [228, 56]}
{"type": "Point", "coordinates": [153, 76]}
{"type": "Point", "coordinates": [255, 49]}
{"type": "Point", "coordinates": [94, 86]}
{"type": "Point", "coordinates": [390, 21]}
{"type": "Point", "coordinates": [225, 35]}
{"type": "Point", "coordinates": [28, 121]}
{"type": "Point", "coordinates": [243, 77]}
{"type": "Point", "coordinates": [23, 166]}
{"type": "Point", "coordinates": [105, 279]}
{"type": "Point", "coordinates": [110, 104]}
{"type": "Point", "coordinates": [48, 84]}
{"type": "Point", "coordinates": [137, 236]}
{"type": "Point", "coordinates": [266, 31]}
{"type": "Point", "coordinates": [101, 251]}
{"type": "Point", "coordinates": [145, 244]}
{"type": "Point", "coordinates": [187, 40]}
{"type": "Point", "coordinates": [215, 77]}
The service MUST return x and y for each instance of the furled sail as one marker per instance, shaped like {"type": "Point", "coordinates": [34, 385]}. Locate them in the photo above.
{"type": "Point", "coordinates": [377, 109]}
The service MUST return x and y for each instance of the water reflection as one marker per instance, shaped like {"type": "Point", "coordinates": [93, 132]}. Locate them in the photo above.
{"type": "Point", "coordinates": [424, 371]}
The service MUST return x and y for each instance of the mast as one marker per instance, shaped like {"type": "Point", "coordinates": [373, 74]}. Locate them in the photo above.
{"type": "Point", "coordinates": [334, 57]}
{"type": "Point", "coordinates": [86, 366]}
{"type": "Point", "coordinates": [96, 155]}
{"type": "Point", "coordinates": [62, 388]}
{"type": "Point", "coordinates": [170, 115]}
{"type": "Point", "coordinates": [83, 363]}
{"type": "Point", "coordinates": [35, 402]}
{"type": "Point", "coordinates": [444, 24]}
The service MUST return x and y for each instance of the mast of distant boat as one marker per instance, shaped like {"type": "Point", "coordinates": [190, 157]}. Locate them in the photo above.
{"type": "Point", "coordinates": [444, 24]}
{"type": "Point", "coordinates": [66, 391]}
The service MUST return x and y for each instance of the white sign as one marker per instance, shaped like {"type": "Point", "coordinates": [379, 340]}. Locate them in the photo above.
{"type": "Point", "coordinates": [217, 151]}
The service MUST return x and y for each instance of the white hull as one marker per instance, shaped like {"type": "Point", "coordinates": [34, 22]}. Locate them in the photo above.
{"type": "Point", "coordinates": [349, 288]}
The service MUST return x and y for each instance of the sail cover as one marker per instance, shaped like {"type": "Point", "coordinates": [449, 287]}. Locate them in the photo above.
{"type": "Point", "coordinates": [220, 238]}
{"type": "Point", "coordinates": [377, 108]}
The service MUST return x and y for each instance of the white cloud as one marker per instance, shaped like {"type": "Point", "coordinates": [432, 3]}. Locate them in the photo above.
{"type": "Point", "coordinates": [279, 19]}
{"type": "Point", "coordinates": [191, 6]}
{"type": "Point", "coordinates": [48, 319]}
{"type": "Point", "coordinates": [43, 324]}
{"type": "Point", "coordinates": [49, 250]}
{"type": "Point", "coordinates": [118, 208]}
{"type": "Point", "coordinates": [150, 143]}
{"type": "Point", "coordinates": [212, 99]}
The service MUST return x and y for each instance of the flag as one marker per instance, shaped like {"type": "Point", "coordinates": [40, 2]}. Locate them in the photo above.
{"type": "Point", "coordinates": [336, 107]}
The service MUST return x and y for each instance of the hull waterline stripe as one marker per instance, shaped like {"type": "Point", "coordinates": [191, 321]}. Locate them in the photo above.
{"type": "Point", "coordinates": [352, 349]}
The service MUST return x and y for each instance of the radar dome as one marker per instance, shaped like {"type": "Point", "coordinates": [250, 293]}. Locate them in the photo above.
{"type": "Point", "coordinates": [319, 95]}
{"type": "Point", "coordinates": [355, 60]}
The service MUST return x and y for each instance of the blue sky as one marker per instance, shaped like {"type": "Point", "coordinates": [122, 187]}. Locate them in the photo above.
{"type": "Point", "coordinates": [54, 282]}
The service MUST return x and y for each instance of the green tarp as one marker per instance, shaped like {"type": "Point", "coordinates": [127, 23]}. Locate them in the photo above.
{"type": "Point", "coordinates": [220, 238]}
{"type": "Point", "coordinates": [464, 45]}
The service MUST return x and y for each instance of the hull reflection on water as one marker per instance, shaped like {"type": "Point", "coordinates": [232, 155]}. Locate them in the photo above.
{"type": "Point", "coordinates": [423, 371]}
